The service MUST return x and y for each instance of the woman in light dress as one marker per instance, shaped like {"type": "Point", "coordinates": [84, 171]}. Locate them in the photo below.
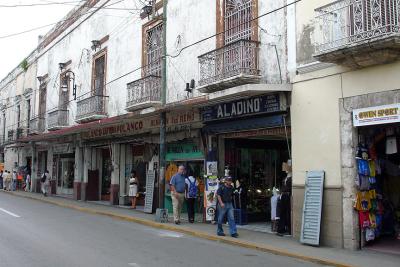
{"type": "Point", "coordinates": [133, 188]}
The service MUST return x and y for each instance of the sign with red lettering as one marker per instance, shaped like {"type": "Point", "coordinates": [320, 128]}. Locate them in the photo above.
{"type": "Point", "coordinates": [127, 128]}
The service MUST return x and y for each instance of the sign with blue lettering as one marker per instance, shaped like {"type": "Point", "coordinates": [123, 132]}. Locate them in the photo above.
{"type": "Point", "coordinates": [243, 107]}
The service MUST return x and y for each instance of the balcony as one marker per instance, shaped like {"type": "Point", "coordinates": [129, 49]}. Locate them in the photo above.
{"type": "Point", "coordinates": [229, 66]}
{"type": "Point", "coordinates": [10, 136]}
{"type": "Point", "coordinates": [36, 125]}
{"type": "Point", "coordinates": [91, 108]}
{"type": "Point", "coordinates": [57, 119]}
{"type": "Point", "coordinates": [144, 93]}
{"type": "Point", "coordinates": [358, 33]}
{"type": "Point", "coordinates": [20, 133]}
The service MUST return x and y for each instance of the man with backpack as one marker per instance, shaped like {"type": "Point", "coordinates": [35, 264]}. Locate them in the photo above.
{"type": "Point", "coordinates": [191, 195]}
{"type": "Point", "coordinates": [45, 180]}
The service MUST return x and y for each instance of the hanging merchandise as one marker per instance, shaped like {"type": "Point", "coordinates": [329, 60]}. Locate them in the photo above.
{"type": "Point", "coordinates": [391, 145]}
{"type": "Point", "coordinates": [363, 167]}
{"type": "Point", "coordinates": [372, 170]}
{"type": "Point", "coordinates": [369, 234]}
{"type": "Point", "coordinates": [362, 152]}
{"type": "Point", "coordinates": [364, 219]}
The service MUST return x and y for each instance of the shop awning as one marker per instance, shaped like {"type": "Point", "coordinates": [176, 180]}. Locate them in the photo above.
{"type": "Point", "coordinates": [245, 124]}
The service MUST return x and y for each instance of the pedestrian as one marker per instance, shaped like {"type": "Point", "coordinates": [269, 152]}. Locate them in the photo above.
{"type": "Point", "coordinates": [14, 181]}
{"type": "Point", "coordinates": [28, 182]}
{"type": "Point", "coordinates": [191, 196]}
{"type": "Point", "coordinates": [9, 181]}
{"type": "Point", "coordinates": [1, 179]}
{"type": "Point", "coordinates": [45, 180]}
{"type": "Point", "coordinates": [177, 186]}
{"type": "Point", "coordinates": [133, 188]}
{"type": "Point", "coordinates": [225, 206]}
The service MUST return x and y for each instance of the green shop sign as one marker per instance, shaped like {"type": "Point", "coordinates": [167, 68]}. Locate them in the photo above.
{"type": "Point", "coordinates": [183, 152]}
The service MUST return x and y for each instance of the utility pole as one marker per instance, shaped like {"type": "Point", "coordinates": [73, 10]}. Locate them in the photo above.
{"type": "Point", "coordinates": [163, 115]}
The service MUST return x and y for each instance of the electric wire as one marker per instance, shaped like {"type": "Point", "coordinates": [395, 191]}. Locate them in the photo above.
{"type": "Point", "coordinates": [193, 44]}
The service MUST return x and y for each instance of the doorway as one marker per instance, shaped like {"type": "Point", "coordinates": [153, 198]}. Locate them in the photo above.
{"type": "Point", "coordinates": [65, 176]}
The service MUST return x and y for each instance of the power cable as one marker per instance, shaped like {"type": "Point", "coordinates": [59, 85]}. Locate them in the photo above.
{"type": "Point", "coordinates": [243, 23]}
{"type": "Point", "coordinates": [54, 23]}
{"type": "Point", "coordinates": [192, 44]}
{"type": "Point", "coordinates": [41, 4]}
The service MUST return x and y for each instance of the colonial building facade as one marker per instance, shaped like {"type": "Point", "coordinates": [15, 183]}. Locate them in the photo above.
{"type": "Point", "coordinates": [89, 99]}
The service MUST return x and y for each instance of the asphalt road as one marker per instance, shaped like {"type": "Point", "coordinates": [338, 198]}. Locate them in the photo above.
{"type": "Point", "coordinates": [37, 234]}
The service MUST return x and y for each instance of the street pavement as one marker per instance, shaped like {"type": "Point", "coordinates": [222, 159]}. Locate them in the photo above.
{"type": "Point", "coordinates": [38, 234]}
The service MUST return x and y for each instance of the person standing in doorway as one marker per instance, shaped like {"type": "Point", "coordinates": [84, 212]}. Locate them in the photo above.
{"type": "Point", "coordinates": [14, 181]}
{"type": "Point", "coordinates": [45, 180]}
{"type": "Point", "coordinates": [1, 179]}
{"type": "Point", "coordinates": [225, 206]}
{"type": "Point", "coordinates": [133, 188]}
{"type": "Point", "coordinates": [177, 186]}
{"type": "Point", "coordinates": [28, 182]}
{"type": "Point", "coordinates": [191, 196]}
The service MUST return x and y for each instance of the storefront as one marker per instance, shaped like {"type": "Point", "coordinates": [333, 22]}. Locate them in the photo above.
{"type": "Point", "coordinates": [377, 178]}
{"type": "Point", "coordinates": [63, 168]}
{"type": "Point", "coordinates": [250, 139]}
{"type": "Point", "coordinates": [189, 154]}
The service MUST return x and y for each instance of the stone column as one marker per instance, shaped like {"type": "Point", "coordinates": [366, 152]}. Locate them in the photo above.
{"type": "Point", "coordinates": [86, 167]}
{"type": "Point", "coordinates": [49, 167]}
{"type": "Point", "coordinates": [34, 168]}
{"type": "Point", "coordinates": [114, 188]}
{"type": "Point", "coordinates": [122, 175]}
{"type": "Point", "coordinates": [78, 173]}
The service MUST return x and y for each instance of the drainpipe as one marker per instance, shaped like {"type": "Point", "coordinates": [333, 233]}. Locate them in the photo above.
{"type": "Point", "coordinates": [163, 115]}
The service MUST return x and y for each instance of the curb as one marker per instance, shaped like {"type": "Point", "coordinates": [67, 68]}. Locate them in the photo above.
{"type": "Point", "coordinates": [199, 234]}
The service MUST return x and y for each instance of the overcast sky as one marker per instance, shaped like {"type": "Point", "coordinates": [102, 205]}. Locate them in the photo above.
{"type": "Point", "coordinates": [17, 19]}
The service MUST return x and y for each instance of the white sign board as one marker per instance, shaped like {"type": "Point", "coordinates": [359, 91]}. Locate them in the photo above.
{"type": "Point", "coordinates": [210, 197]}
{"type": "Point", "coordinates": [148, 201]}
{"type": "Point", "coordinates": [376, 115]}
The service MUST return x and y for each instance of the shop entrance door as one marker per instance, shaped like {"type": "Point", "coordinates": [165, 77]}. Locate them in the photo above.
{"type": "Point", "coordinates": [65, 177]}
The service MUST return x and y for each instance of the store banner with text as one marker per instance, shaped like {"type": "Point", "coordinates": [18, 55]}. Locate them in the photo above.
{"type": "Point", "coordinates": [376, 115]}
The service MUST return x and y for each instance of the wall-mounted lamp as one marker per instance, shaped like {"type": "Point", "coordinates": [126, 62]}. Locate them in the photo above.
{"type": "Point", "coordinates": [148, 9]}
{"type": "Point", "coordinates": [68, 77]}
{"type": "Point", "coordinates": [95, 44]}
{"type": "Point", "coordinates": [62, 66]}
{"type": "Point", "coordinates": [40, 79]}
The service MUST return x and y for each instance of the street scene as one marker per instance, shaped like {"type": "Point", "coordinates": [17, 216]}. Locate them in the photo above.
{"type": "Point", "coordinates": [192, 133]}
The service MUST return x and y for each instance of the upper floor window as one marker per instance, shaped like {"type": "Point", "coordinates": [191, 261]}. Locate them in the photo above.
{"type": "Point", "coordinates": [99, 73]}
{"type": "Point", "coordinates": [28, 109]}
{"type": "Point", "coordinates": [64, 91]}
{"type": "Point", "coordinates": [18, 116]}
{"type": "Point", "coordinates": [153, 50]}
{"type": "Point", "coordinates": [237, 20]}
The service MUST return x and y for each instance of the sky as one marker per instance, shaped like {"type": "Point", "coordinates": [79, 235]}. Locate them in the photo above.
{"type": "Point", "coordinates": [17, 19]}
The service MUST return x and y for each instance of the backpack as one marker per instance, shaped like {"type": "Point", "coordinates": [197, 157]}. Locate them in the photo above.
{"type": "Point", "coordinates": [43, 178]}
{"type": "Point", "coordinates": [192, 189]}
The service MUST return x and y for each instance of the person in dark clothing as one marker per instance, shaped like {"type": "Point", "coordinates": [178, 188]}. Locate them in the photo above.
{"type": "Point", "coordinates": [283, 207]}
{"type": "Point", "coordinates": [225, 206]}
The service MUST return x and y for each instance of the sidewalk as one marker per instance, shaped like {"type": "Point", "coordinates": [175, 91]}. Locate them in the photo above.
{"type": "Point", "coordinates": [285, 246]}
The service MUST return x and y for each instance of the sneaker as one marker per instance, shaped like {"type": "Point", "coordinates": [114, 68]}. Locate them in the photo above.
{"type": "Point", "coordinates": [235, 235]}
{"type": "Point", "coordinates": [220, 234]}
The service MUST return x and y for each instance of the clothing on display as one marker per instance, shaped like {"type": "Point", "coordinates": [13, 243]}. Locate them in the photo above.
{"type": "Point", "coordinates": [377, 159]}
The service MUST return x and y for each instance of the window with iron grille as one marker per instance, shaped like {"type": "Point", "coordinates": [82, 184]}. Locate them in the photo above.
{"type": "Point", "coordinates": [99, 75]}
{"type": "Point", "coordinates": [237, 20]}
{"type": "Point", "coordinates": [64, 92]}
{"type": "Point", "coordinates": [154, 46]}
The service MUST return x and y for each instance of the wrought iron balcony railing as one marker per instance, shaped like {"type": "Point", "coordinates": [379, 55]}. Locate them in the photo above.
{"type": "Point", "coordinates": [37, 125]}
{"type": "Point", "coordinates": [91, 108]}
{"type": "Point", "coordinates": [234, 64]}
{"type": "Point", "coordinates": [57, 119]}
{"type": "Point", "coordinates": [11, 135]}
{"type": "Point", "coordinates": [346, 24]}
{"type": "Point", "coordinates": [21, 132]}
{"type": "Point", "coordinates": [143, 93]}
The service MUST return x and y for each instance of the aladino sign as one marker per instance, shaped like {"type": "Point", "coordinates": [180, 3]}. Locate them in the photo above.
{"type": "Point", "coordinates": [376, 115]}
{"type": "Point", "coordinates": [243, 107]}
